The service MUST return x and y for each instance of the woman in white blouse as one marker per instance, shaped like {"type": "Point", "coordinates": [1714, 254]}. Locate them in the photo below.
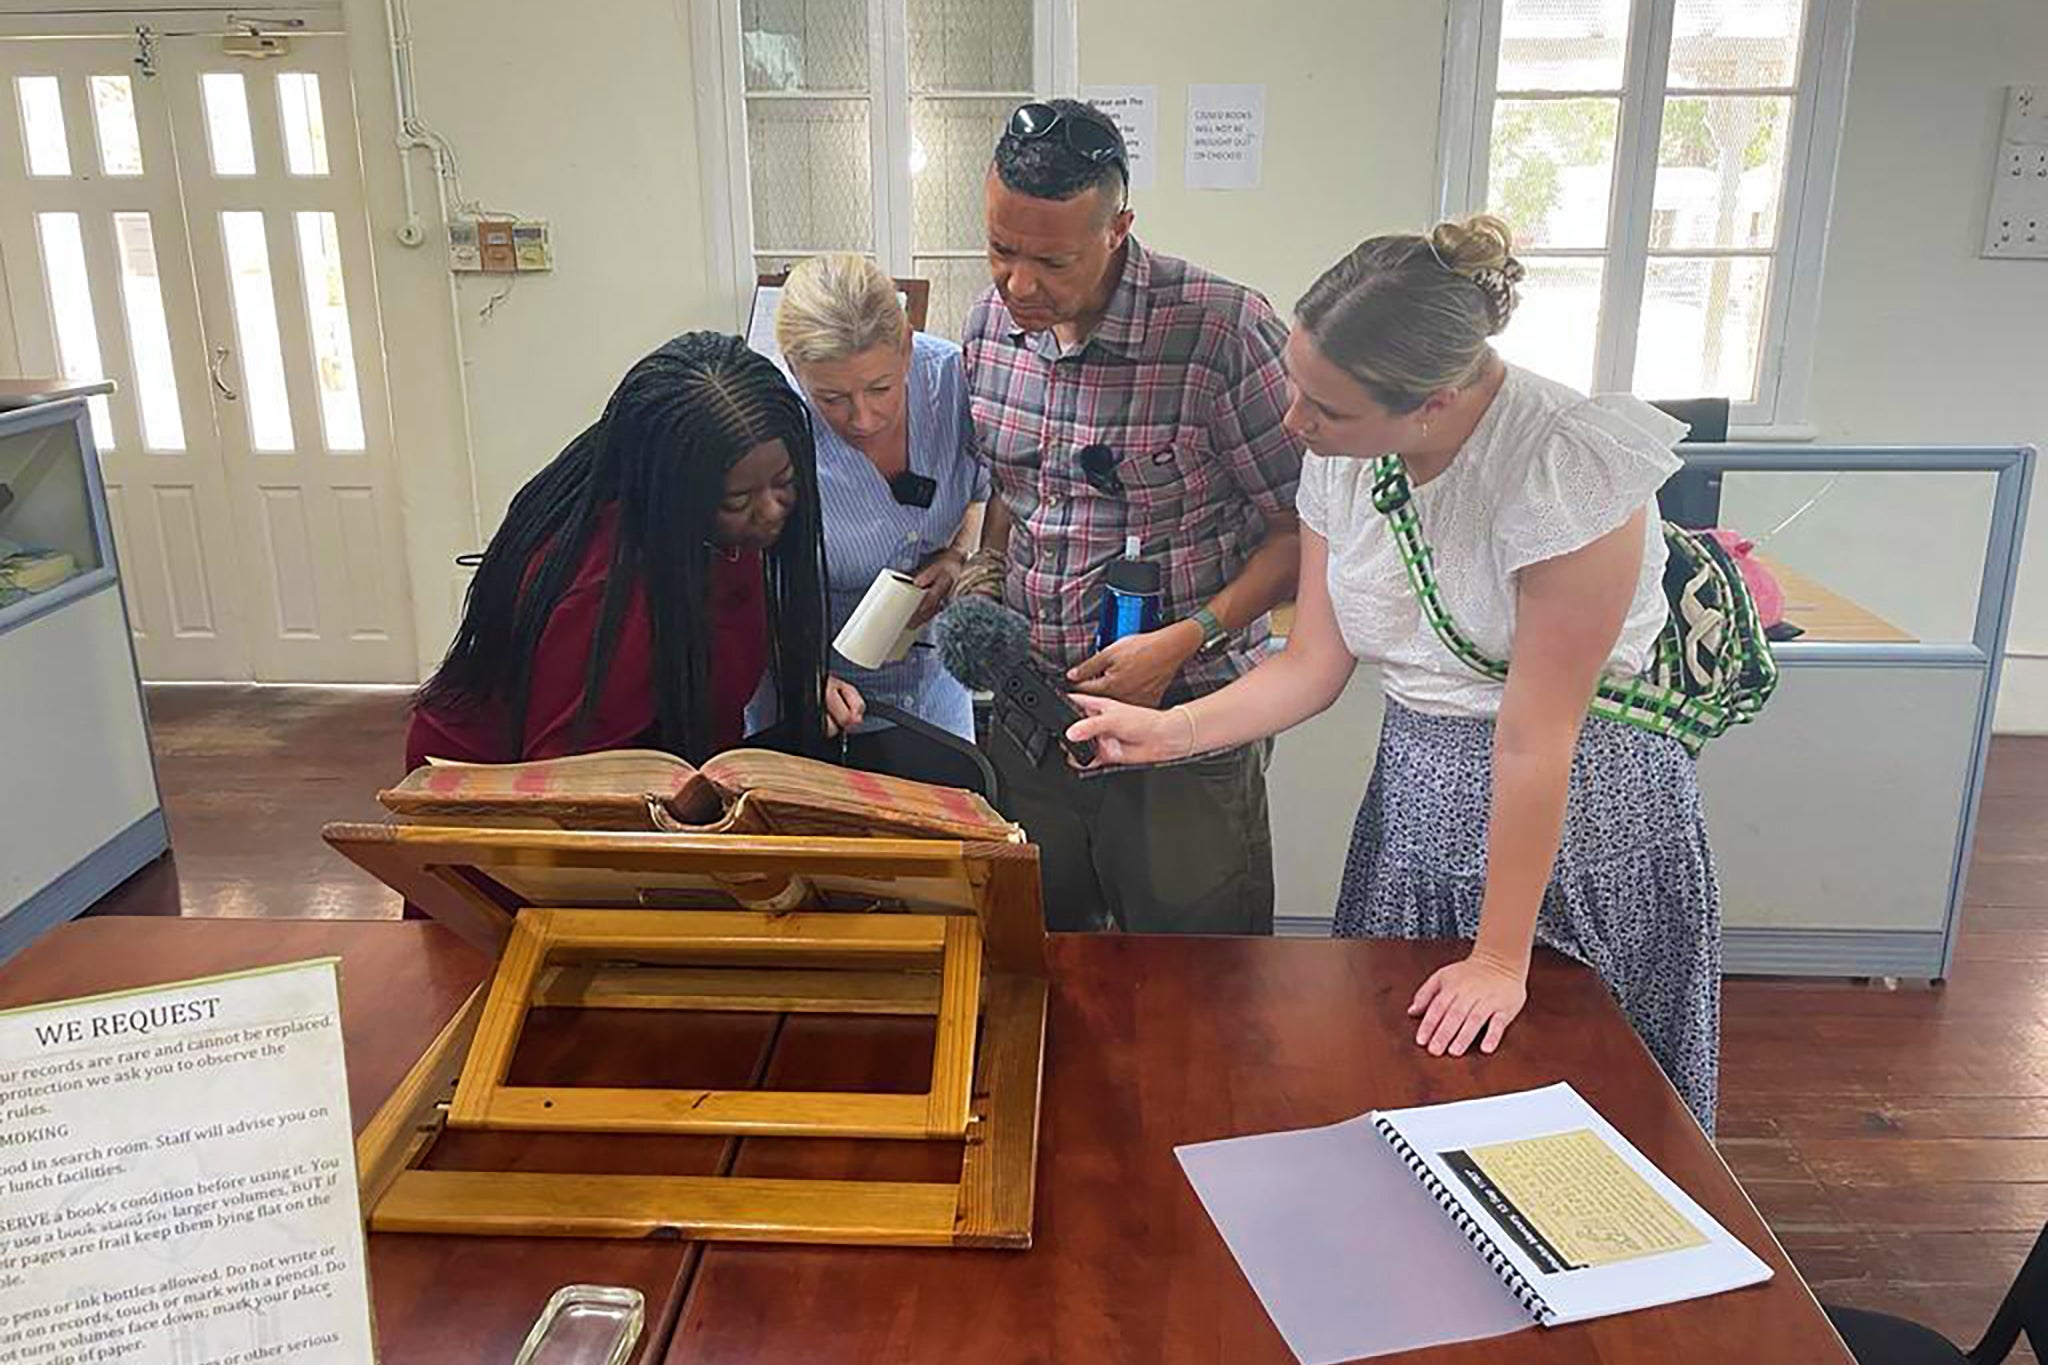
{"type": "Point", "coordinates": [1498, 812]}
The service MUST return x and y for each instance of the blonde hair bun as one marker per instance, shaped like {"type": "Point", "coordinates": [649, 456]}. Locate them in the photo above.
{"type": "Point", "coordinates": [1482, 249]}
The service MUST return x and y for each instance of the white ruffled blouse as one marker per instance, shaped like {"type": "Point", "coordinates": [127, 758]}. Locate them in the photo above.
{"type": "Point", "coordinates": [1546, 472]}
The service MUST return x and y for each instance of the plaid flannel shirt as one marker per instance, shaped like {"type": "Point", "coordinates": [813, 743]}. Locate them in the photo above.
{"type": "Point", "coordinates": [1182, 379]}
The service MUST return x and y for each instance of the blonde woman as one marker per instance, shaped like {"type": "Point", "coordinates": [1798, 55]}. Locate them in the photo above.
{"type": "Point", "coordinates": [897, 478]}
{"type": "Point", "coordinates": [1498, 812]}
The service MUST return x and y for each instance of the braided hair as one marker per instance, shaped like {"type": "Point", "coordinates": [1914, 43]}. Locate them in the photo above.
{"type": "Point", "coordinates": [680, 419]}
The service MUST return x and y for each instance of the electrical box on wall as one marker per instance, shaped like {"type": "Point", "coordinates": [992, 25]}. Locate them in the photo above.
{"type": "Point", "coordinates": [499, 246]}
{"type": "Point", "coordinates": [2017, 226]}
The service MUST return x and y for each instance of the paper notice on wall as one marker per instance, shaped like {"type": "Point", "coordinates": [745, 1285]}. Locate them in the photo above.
{"type": "Point", "coordinates": [761, 321]}
{"type": "Point", "coordinates": [1226, 136]}
{"type": "Point", "coordinates": [1136, 111]}
{"type": "Point", "coordinates": [178, 1179]}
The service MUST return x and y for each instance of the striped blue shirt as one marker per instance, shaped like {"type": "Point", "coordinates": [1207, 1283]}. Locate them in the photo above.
{"type": "Point", "coordinates": [867, 530]}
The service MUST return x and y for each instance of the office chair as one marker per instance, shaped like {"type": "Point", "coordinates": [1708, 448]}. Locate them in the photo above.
{"type": "Point", "coordinates": [1692, 497]}
{"type": "Point", "coordinates": [1882, 1339]}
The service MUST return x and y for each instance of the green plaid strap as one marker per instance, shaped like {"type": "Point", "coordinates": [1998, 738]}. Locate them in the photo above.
{"type": "Point", "coordinates": [1655, 701]}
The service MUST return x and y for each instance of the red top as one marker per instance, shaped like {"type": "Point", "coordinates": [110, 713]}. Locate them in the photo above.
{"type": "Point", "coordinates": [625, 715]}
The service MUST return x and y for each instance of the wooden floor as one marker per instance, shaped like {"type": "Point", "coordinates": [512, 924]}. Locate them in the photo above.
{"type": "Point", "coordinates": [1896, 1138]}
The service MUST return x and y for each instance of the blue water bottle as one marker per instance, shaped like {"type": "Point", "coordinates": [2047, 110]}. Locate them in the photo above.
{"type": "Point", "coordinates": [1130, 598]}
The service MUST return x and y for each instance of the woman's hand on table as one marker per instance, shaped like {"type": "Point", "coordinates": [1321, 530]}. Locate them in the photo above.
{"type": "Point", "coordinates": [844, 707]}
{"type": "Point", "coordinates": [1471, 1000]}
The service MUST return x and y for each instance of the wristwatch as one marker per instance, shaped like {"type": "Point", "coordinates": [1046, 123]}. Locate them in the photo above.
{"type": "Point", "coordinates": [1214, 636]}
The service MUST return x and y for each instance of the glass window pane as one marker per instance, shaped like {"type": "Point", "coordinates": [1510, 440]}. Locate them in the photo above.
{"type": "Point", "coordinates": [71, 316]}
{"type": "Point", "coordinates": [334, 356]}
{"type": "Point", "coordinates": [972, 45]}
{"type": "Point", "coordinates": [804, 44]}
{"type": "Point", "coordinates": [261, 359]}
{"type": "Point", "coordinates": [113, 113]}
{"type": "Point", "coordinates": [227, 123]}
{"type": "Point", "coordinates": [808, 161]}
{"type": "Point", "coordinates": [1736, 43]}
{"type": "Point", "coordinates": [305, 131]}
{"type": "Point", "coordinates": [1557, 323]}
{"type": "Point", "coordinates": [1550, 169]}
{"type": "Point", "coordinates": [956, 284]}
{"type": "Point", "coordinates": [149, 333]}
{"type": "Point", "coordinates": [951, 141]}
{"type": "Point", "coordinates": [1562, 44]}
{"type": "Point", "coordinates": [1702, 320]}
{"type": "Point", "coordinates": [42, 125]}
{"type": "Point", "coordinates": [1720, 171]}
{"type": "Point", "coordinates": [1832, 538]}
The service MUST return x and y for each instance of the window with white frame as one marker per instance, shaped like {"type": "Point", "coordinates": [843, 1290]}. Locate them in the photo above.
{"type": "Point", "coordinates": [1667, 167]}
{"type": "Point", "coordinates": [866, 125]}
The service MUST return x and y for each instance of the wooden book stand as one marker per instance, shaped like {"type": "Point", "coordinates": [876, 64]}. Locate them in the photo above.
{"type": "Point", "coordinates": [721, 923]}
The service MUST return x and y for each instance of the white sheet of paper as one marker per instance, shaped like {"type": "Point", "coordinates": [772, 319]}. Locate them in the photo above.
{"type": "Point", "coordinates": [761, 322]}
{"type": "Point", "coordinates": [1136, 111]}
{"type": "Point", "coordinates": [1720, 1264]}
{"type": "Point", "coordinates": [1226, 136]}
{"type": "Point", "coordinates": [178, 1178]}
{"type": "Point", "coordinates": [1348, 1252]}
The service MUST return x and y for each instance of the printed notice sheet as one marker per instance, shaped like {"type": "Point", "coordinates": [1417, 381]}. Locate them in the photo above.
{"type": "Point", "coordinates": [1226, 144]}
{"type": "Point", "coordinates": [177, 1178]}
{"type": "Point", "coordinates": [1579, 1204]}
{"type": "Point", "coordinates": [1136, 111]}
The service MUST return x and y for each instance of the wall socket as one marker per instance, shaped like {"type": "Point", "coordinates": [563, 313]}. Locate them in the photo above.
{"type": "Point", "coordinates": [2016, 228]}
{"type": "Point", "coordinates": [499, 246]}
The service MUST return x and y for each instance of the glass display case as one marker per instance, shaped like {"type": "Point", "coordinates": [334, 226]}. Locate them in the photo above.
{"type": "Point", "coordinates": [79, 811]}
{"type": "Point", "coordinates": [1841, 819]}
{"type": "Point", "coordinates": [55, 544]}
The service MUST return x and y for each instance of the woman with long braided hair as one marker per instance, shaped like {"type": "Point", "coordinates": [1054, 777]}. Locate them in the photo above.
{"type": "Point", "coordinates": [643, 586]}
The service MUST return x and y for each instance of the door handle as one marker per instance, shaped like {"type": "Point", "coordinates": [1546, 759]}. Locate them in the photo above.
{"type": "Point", "coordinates": [220, 358]}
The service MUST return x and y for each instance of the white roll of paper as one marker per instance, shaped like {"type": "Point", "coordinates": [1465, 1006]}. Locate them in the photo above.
{"type": "Point", "coordinates": [879, 630]}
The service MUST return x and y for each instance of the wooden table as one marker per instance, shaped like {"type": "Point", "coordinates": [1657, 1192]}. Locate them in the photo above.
{"type": "Point", "coordinates": [1826, 615]}
{"type": "Point", "coordinates": [1153, 1042]}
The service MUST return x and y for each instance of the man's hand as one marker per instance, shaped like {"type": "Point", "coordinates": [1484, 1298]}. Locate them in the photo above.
{"type": "Point", "coordinates": [1138, 668]}
{"type": "Point", "coordinates": [938, 576]}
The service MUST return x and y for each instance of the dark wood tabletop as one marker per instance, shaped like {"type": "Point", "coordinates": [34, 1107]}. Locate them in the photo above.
{"type": "Point", "coordinates": [1152, 1043]}
{"type": "Point", "coordinates": [1155, 1042]}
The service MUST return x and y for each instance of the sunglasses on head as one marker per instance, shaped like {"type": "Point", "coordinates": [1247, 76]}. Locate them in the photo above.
{"type": "Point", "coordinates": [1086, 138]}
{"type": "Point", "coordinates": [911, 489]}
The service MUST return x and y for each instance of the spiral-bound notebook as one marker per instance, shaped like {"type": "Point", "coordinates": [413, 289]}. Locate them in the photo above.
{"type": "Point", "coordinates": [1408, 1228]}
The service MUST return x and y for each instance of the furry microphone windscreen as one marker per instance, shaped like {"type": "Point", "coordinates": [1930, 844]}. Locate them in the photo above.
{"type": "Point", "coordinates": [980, 640]}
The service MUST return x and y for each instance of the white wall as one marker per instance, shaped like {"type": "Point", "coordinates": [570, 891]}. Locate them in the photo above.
{"type": "Point", "coordinates": [558, 112]}
{"type": "Point", "coordinates": [1920, 340]}
{"type": "Point", "coordinates": [1351, 101]}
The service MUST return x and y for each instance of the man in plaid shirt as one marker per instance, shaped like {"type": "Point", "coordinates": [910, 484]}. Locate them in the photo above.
{"type": "Point", "coordinates": [1087, 340]}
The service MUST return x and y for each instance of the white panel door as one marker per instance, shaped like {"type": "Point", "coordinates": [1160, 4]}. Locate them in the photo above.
{"type": "Point", "coordinates": [196, 233]}
{"type": "Point", "coordinates": [92, 235]}
{"type": "Point", "coordinates": [272, 179]}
